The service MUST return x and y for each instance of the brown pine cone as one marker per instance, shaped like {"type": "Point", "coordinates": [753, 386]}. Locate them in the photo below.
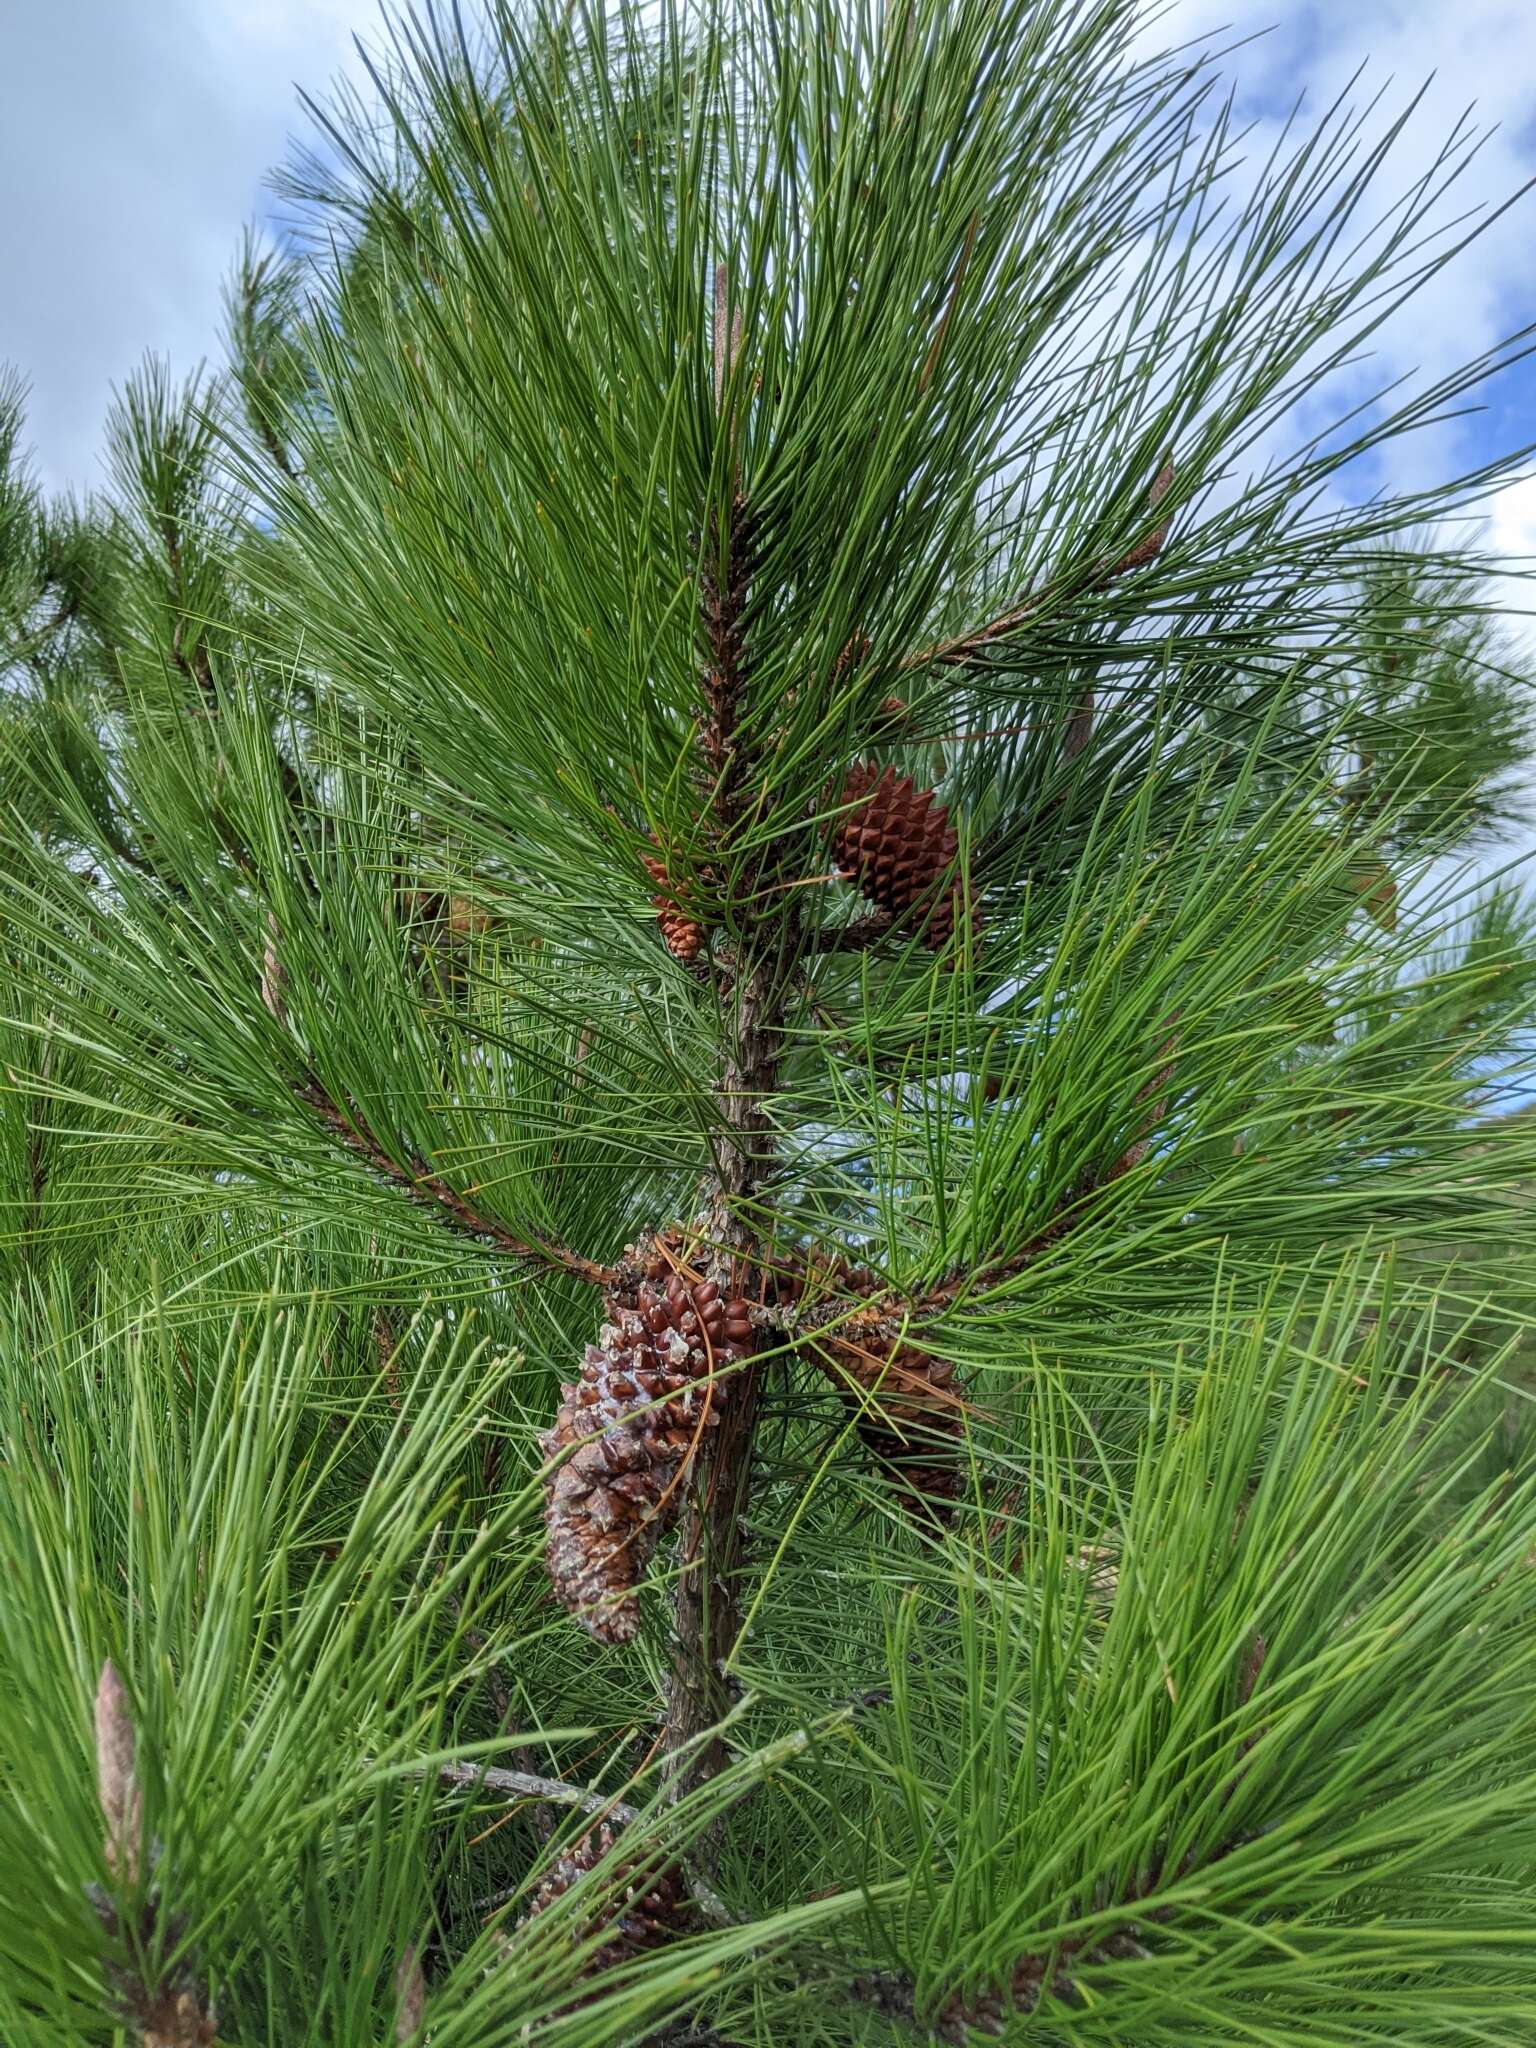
{"type": "Point", "coordinates": [897, 844]}
{"type": "Point", "coordinates": [913, 1419]}
{"type": "Point", "coordinates": [635, 1912]}
{"type": "Point", "coordinates": [682, 932]}
{"type": "Point", "coordinates": [635, 1415]}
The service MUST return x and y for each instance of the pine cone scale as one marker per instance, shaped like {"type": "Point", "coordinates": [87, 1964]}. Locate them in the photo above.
{"type": "Point", "coordinates": [912, 1421]}
{"type": "Point", "coordinates": [624, 1438]}
{"type": "Point", "coordinates": [635, 1911]}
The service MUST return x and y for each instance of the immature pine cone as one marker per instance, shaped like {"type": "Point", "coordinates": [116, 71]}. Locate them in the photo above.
{"type": "Point", "coordinates": [897, 844]}
{"type": "Point", "coordinates": [681, 931]}
{"type": "Point", "coordinates": [913, 1421]}
{"type": "Point", "coordinates": [1151, 546]}
{"type": "Point", "coordinates": [636, 1414]}
{"type": "Point", "coordinates": [634, 1912]}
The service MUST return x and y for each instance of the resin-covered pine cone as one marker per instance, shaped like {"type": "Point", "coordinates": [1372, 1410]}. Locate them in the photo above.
{"type": "Point", "coordinates": [634, 1913]}
{"type": "Point", "coordinates": [624, 1438]}
{"type": "Point", "coordinates": [897, 844]}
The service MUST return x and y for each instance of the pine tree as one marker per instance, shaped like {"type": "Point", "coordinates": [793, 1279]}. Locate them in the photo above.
{"type": "Point", "coordinates": [744, 1226]}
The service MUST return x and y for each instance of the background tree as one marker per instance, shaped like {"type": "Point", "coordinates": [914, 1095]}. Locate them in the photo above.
{"type": "Point", "coordinates": [742, 1032]}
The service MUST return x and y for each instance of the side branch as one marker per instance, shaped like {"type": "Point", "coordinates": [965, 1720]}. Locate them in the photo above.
{"type": "Point", "coordinates": [864, 1304]}
{"type": "Point", "coordinates": [965, 648]}
{"type": "Point", "coordinates": [1053, 1971]}
{"type": "Point", "coordinates": [874, 1305]}
{"type": "Point", "coordinates": [883, 1308]}
{"type": "Point", "coordinates": [529, 1785]}
{"type": "Point", "coordinates": [429, 1191]}
{"type": "Point", "coordinates": [1063, 1220]}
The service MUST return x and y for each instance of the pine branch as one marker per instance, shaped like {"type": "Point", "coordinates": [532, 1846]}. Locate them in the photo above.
{"type": "Point", "coordinates": [531, 1785]}
{"type": "Point", "coordinates": [723, 594]}
{"type": "Point", "coordinates": [706, 1614]}
{"type": "Point", "coordinates": [194, 665]}
{"type": "Point", "coordinates": [706, 1608]}
{"type": "Point", "coordinates": [272, 441]}
{"type": "Point", "coordinates": [887, 1312]}
{"type": "Point", "coordinates": [706, 1611]}
{"type": "Point", "coordinates": [1054, 1970]}
{"type": "Point", "coordinates": [964, 649]}
{"type": "Point", "coordinates": [428, 1191]}
{"type": "Point", "coordinates": [502, 1700]}
{"type": "Point", "coordinates": [690, 2037]}
{"type": "Point", "coordinates": [494, 625]}
{"type": "Point", "coordinates": [723, 600]}
{"type": "Point", "coordinates": [542, 1791]}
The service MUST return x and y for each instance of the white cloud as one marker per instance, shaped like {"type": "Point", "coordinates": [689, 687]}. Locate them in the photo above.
{"type": "Point", "coordinates": [133, 144]}
{"type": "Point", "coordinates": [1512, 521]}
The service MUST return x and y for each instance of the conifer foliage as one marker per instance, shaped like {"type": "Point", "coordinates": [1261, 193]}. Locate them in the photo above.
{"type": "Point", "coordinates": [745, 1167]}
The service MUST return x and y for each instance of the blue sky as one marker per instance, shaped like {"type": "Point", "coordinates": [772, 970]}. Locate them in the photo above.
{"type": "Point", "coordinates": [135, 134]}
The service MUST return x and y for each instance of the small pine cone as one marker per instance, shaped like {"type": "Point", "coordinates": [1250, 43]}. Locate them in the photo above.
{"type": "Point", "coordinates": [274, 976]}
{"type": "Point", "coordinates": [897, 844]}
{"type": "Point", "coordinates": [680, 930]}
{"type": "Point", "coordinates": [634, 1911]}
{"type": "Point", "coordinates": [851, 1279]}
{"type": "Point", "coordinates": [1149, 548]}
{"type": "Point", "coordinates": [625, 1436]}
{"type": "Point", "coordinates": [913, 1420]}
{"type": "Point", "coordinates": [455, 917]}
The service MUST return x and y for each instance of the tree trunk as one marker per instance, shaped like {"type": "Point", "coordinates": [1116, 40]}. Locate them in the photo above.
{"type": "Point", "coordinates": [707, 1604]}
